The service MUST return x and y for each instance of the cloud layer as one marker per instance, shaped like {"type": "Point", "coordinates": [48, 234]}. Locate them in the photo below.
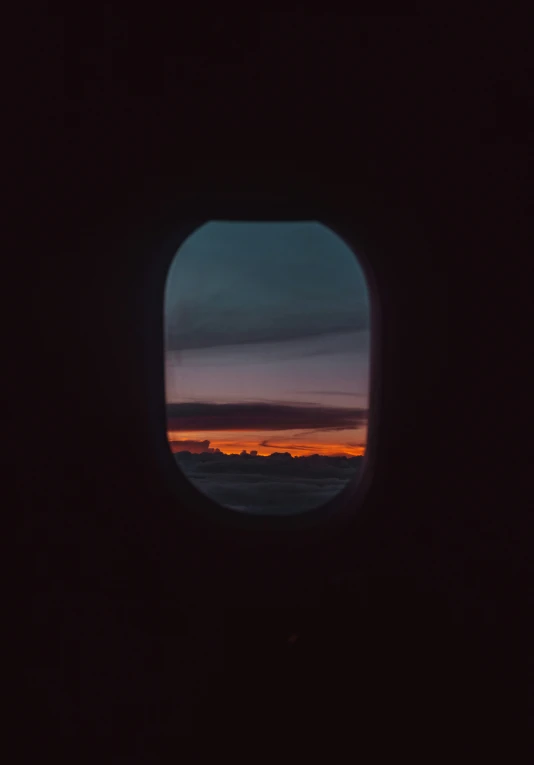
{"type": "Point", "coordinates": [267, 485]}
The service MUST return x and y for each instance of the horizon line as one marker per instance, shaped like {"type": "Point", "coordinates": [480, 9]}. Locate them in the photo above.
{"type": "Point", "coordinates": [216, 450]}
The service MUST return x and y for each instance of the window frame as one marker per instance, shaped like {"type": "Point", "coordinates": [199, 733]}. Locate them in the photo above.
{"type": "Point", "coordinates": [173, 231]}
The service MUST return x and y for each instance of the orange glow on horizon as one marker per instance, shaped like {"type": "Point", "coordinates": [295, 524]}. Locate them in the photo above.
{"type": "Point", "coordinates": [309, 447]}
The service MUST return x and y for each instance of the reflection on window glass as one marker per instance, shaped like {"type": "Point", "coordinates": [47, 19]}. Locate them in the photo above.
{"type": "Point", "coordinates": [267, 364]}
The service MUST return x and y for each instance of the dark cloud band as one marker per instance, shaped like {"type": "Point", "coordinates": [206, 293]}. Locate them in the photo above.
{"type": "Point", "coordinates": [261, 416]}
{"type": "Point", "coordinates": [195, 447]}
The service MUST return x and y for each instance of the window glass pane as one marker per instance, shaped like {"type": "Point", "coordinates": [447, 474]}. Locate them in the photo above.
{"type": "Point", "coordinates": [267, 345]}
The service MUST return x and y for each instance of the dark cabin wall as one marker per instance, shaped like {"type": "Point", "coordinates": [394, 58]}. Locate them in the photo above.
{"type": "Point", "coordinates": [139, 616]}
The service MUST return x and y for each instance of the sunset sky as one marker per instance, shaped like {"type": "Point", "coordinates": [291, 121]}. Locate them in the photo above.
{"type": "Point", "coordinates": [267, 341]}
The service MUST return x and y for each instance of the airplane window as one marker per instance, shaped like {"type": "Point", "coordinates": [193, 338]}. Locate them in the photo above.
{"type": "Point", "coordinates": [267, 358]}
